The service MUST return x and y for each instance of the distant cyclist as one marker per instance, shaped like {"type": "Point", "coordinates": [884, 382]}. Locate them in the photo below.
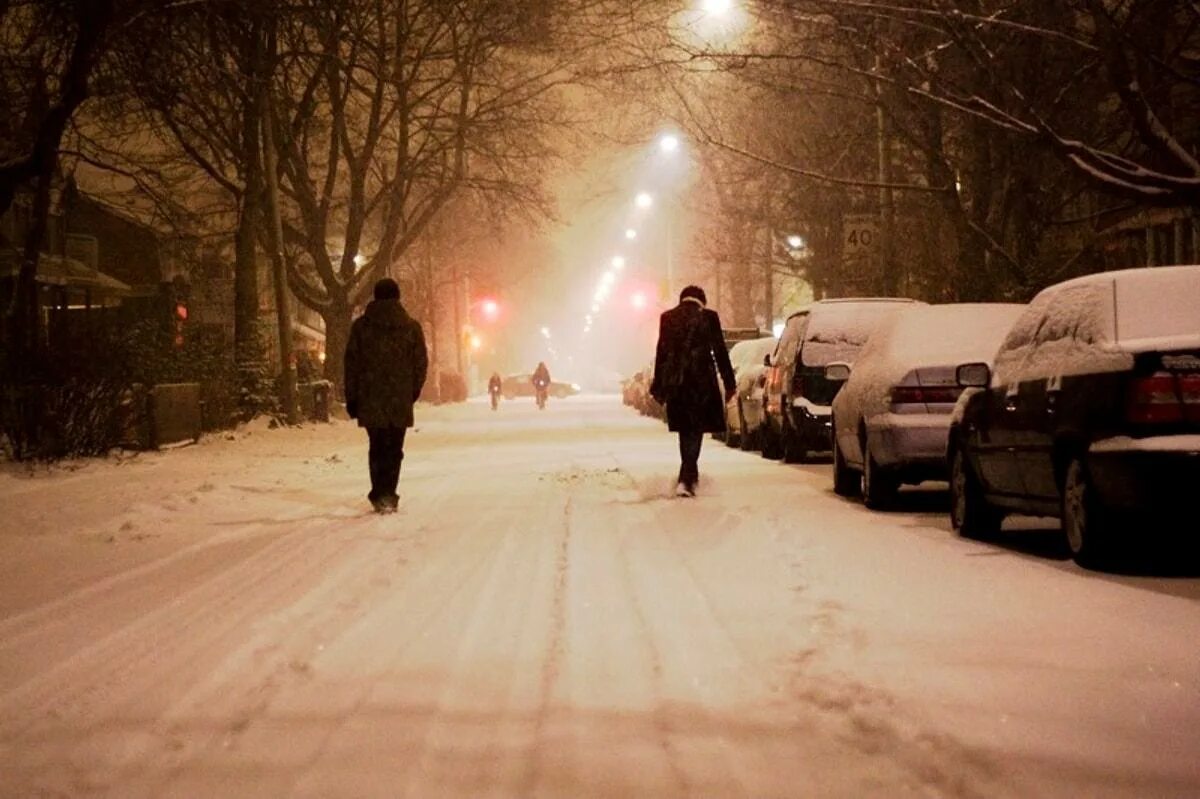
{"type": "Point", "coordinates": [494, 387]}
{"type": "Point", "coordinates": [541, 383]}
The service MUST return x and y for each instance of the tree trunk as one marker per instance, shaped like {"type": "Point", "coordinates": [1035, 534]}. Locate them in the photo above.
{"type": "Point", "coordinates": [337, 333]}
{"type": "Point", "coordinates": [248, 345]}
{"type": "Point", "coordinates": [283, 311]}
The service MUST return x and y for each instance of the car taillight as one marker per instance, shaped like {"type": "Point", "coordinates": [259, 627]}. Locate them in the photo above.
{"type": "Point", "coordinates": [1155, 400]}
{"type": "Point", "coordinates": [1189, 392]}
{"type": "Point", "coordinates": [907, 395]}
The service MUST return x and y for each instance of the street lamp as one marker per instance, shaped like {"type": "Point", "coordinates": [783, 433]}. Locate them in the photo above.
{"type": "Point", "coordinates": [618, 262]}
{"type": "Point", "coordinates": [717, 8]}
{"type": "Point", "coordinates": [644, 199]}
{"type": "Point", "coordinates": [795, 242]}
{"type": "Point", "coordinates": [668, 143]}
{"type": "Point", "coordinates": [630, 234]}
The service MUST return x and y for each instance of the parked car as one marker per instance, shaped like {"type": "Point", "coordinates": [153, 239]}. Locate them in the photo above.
{"type": "Point", "coordinates": [1091, 413]}
{"type": "Point", "coordinates": [797, 393]}
{"type": "Point", "coordinates": [892, 417]}
{"type": "Point", "coordinates": [743, 414]}
{"type": "Point", "coordinates": [521, 385]}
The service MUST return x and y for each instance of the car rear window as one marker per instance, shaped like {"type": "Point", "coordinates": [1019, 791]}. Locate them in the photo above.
{"type": "Point", "coordinates": [1159, 308]}
{"type": "Point", "coordinates": [837, 332]}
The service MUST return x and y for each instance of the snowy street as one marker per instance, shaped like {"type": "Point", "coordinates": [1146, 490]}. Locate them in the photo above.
{"type": "Point", "coordinates": [542, 619]}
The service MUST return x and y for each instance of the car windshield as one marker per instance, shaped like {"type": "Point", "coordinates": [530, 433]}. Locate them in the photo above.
{"type": "Point", "coordinates": [1159, 308]}
{"type": "Point", "coordinates": [837, 332]}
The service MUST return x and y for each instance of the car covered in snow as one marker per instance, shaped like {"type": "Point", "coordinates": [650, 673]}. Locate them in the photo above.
{"type": "Point", "coordinates": [1091, 413]}
{"type": "Point", "coordinates": [797, 395]}
{"type": "Point", "coordinates": [892, 417]}
{"type": "Point", "coordinates": [743, 413]}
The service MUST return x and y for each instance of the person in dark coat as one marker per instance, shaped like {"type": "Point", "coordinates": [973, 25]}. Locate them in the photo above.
{"type": "Point", "coordinates": [386, 364]}
{"type": "Point", "coordinates": [690, 354]}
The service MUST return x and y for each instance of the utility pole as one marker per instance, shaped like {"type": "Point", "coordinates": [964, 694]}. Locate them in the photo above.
{"type": "Point", "coordinates": [890, 281]}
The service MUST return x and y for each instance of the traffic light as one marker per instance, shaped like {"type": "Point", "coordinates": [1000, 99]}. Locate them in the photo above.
{"type": "Point", "coordinates": [178, 320]}
{"type": "Point", "coordinates": [491, 309]}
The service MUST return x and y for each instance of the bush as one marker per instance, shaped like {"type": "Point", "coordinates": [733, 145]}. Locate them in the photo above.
{"type": "Point", "coordinates": [80, 396]}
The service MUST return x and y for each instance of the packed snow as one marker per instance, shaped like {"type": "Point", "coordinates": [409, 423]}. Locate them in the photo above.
{"type": "Point", "coordinates": [542, 619]}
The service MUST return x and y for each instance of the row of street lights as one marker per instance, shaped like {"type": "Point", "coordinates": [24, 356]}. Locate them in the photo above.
{"type": "Point", "coordinates": [668, 144]}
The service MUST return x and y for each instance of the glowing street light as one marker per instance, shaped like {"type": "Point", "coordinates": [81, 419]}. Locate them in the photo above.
{"type": "Point", "coordinates": [644, 200]}
{"type": "Point", "coordinates": [638, 300]}
{"type": "Point", "coordinates": [630, 234]}
{"type": "Point", "coordinates": [490, 308]}
{"type": "Point", "coordinates": [618, 262]}
{"type": "Point", "coordinates": [476, 342]}
{"type": "Point", "coordinates": [717, 8]}
{"type": "Point", "coordinates": [545, 332]}
{"type": "Point", "coordinates": [668, 143]}
{"type": "Point", "coordinates": [795, 242]}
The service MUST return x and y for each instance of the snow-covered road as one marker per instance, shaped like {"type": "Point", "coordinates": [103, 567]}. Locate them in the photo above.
{"type": "Point", "coordinates": [542, 619]}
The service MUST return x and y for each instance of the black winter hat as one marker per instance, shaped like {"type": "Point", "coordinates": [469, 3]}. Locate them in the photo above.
{"type": "Point", "coordinates": [695, 292]}
{"type": "Point", "coordinates": [387, 289]}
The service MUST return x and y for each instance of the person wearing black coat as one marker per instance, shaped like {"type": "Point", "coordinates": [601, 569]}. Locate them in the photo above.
{"type": "Point", "coordinates": [385, 368]}
{"type": "Point", "coordinates": [690, 354]}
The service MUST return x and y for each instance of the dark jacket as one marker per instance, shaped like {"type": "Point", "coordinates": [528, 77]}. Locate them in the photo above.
{"type": "Point", "coordinates": [386, 362]}
{"type": "Point", "coordinates": [691, 351]}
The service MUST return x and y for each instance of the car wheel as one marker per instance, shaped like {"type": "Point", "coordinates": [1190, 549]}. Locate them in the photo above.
{"type": "Point", "coordinates": [790, 448]}
{"type": "Point", "coordinates": [846, 482]}
{"type": "Point", "coordinates": [879, 486]}
{"type": "Point", "coordinates": [770, 442]}
{"type": "Point", "coordinates": [1084, 522]}
{"type": "Point", "coordinates": [970, 513]}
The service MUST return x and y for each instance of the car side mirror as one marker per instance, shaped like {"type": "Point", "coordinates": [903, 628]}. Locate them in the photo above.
{"type": "Point", "coordinates": [837, 372]}
{"type": "Point", "coordinates": [973, 375]}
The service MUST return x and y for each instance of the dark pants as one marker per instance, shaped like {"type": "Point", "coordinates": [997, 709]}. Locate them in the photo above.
{"type": "Point", "coordinates": [384, 457]}
{"type": "Point", "coordinates": [689, 458]}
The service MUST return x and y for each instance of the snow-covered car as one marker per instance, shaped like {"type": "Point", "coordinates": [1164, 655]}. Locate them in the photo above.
{"type": "Point", "coordinates": [797, 394]}
{"type": "Point", "coordinates": [1091, 414]}
{"type": "Point", "coordinates": [521, 385]}
{"type": "Point", "coordinates": [892, 417]}
{"type": "Point", "coordinates": [743, 414]}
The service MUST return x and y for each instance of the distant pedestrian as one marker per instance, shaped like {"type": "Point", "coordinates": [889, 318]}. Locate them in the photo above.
{"type": "Point", "coordinates": [691, 352]}
{"type": "Point", "coordinates": [386, 363]}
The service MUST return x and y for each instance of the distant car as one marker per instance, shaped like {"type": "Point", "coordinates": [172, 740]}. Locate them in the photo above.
{"type": "Point", "coordinates": [797, 395]}
{"type": "Point", "coordinates": [736, 335]}
{"type": "Point", "coordinates": [1091, 414]}
{"type": "Point", "coordinates": [892, 417]}
{"type": "Point", "coordinates": [743, 414]}
{"type": "Point", "coordinates": [521, 385]}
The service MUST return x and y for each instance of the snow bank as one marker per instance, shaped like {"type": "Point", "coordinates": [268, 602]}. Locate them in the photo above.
{"type": "Point", "coordinates": [1181, 443]}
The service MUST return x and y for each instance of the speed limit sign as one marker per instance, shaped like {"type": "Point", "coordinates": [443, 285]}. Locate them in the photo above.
{"type": "Point", "coordinates": [860, 236]}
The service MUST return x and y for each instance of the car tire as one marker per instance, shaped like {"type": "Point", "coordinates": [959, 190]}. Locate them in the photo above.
{"type": "Point", "coordinates": [970, 513]}
{"type": "Point", "coordinates": [734, 440]}
{"type": "Point", "coordinates": [770, 442]}
{"type": "Point", "coordinates": [1086, 526]}
{"type": "Point", "coordinates": [879, 486]}
{"type": "Point", "coordinates": [790, 447]}
{"type": "Point", "coordinates": [846, 482]}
